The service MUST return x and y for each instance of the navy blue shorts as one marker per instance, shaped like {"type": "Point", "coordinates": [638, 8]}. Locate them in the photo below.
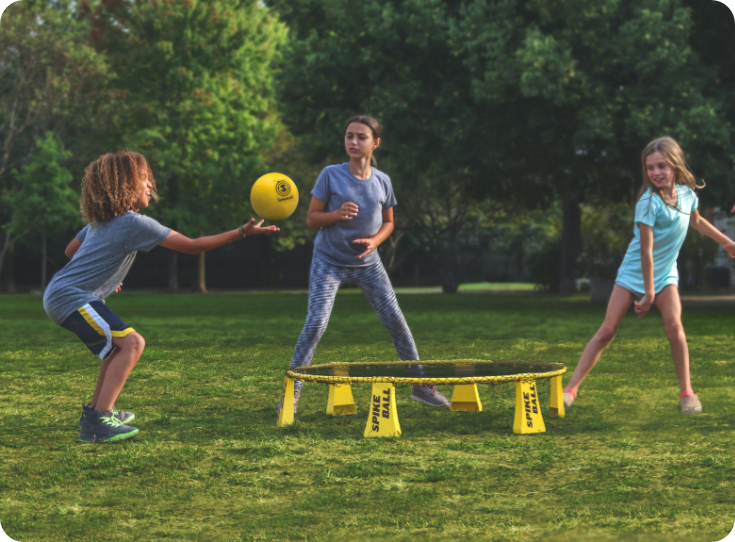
{"type": "Point", "coordinates": [96, 325]}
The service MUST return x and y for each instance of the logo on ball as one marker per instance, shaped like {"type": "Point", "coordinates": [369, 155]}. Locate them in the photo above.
{"type": "Point", "coordinates": [283, 188]}
{"type": "Point", "coordinates": [274, 196]}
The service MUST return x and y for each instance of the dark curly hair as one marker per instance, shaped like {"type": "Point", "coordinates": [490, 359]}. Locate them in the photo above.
{"type": "Point", "coordinates": [111, 183]}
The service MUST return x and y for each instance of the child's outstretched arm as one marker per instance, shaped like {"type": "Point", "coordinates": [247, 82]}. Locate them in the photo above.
{"type": "Point", "coordinates": [182, 243]}
{"type": "Point", "coordinates": [705, 227]}
{"type": "Point", "coordinates": [644, 305]}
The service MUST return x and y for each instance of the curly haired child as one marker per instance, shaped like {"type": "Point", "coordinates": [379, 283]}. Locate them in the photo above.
{"type": "Point", "coordinates": [115, 187]}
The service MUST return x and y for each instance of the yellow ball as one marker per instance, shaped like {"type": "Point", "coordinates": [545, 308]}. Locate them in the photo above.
{"type": "Point", "coordinates": [274, 197]}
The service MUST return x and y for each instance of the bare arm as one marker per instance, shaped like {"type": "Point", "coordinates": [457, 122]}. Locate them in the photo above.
{"type": "Point", "coordinates": [182, 243]}
{"type": "Point", "coordinates": [703, 226]}
{"type": "Point", "coordinates": [371, 243]}
{"type": "Point", "coordinates": [318, 218]}
{"type": "Point", "coordinates": [72, 248]}
{"type": "Point", "coordinates": [644, 305]}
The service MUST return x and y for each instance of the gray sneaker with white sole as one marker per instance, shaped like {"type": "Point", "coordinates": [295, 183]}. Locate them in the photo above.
{"type": "Point", "coordinates": [429, 395]}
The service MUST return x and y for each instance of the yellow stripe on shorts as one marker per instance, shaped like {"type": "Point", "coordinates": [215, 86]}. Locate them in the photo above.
{"type": "Point", "coordinates": [91, 321]}
{"type": "Point", "coordinates": [123, 333]}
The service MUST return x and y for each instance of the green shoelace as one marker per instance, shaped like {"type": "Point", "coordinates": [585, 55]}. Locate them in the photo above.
{"type": "Point", "coordinates": [111, 420]}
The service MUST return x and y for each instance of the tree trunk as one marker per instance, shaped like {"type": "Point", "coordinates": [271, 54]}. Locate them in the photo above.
{"type": "Point", "coordinates": [173, 275]}
{"type": "Point", "coordinates": [201, 282]}
{"type": "Point", "coordinates": [570, 244]}
{"type": "Point", "coordinates": [9, 266]}
{"type": "Point", "coordinates": [6, 245]}
{"type": "Point", "coordinates": [44, 264]}
{"type": "Point", "coordinates": [448, 269]}
{"type": "Point", "coordinates": [173, 268]}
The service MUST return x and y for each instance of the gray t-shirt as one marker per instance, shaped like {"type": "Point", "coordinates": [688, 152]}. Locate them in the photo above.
{"type": "Point", "coordinates": [101, 262]}
{"type": "Point", "coordinates": [337, 185]}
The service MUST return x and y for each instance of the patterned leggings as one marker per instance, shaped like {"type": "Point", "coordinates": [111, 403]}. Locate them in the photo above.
{"type": "Point", "coordinates": [324, 281]}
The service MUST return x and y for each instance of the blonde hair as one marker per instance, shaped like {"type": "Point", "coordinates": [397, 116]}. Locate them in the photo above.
{"type": "Point", "coordinates": [111, 185]}
{"type": "Point", "coordinates": [674, 155]}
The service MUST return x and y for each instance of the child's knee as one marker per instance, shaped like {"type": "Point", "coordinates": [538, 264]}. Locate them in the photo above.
{"type": "Point", "coordinates": [133, 342]}
{"type": "Point", "coordinates": [674, 331]}
{"type": "Point", "coordinates": [605, 335]}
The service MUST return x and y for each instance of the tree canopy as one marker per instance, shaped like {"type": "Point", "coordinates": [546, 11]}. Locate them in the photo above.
{"type": "Point", "coordinates": [523, 102]}
{"type": "Point", "coordinates": [195, 83]}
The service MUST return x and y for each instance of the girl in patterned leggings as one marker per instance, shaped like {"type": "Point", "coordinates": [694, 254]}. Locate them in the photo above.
{"type": "Point", "coordinates": [352, 205]}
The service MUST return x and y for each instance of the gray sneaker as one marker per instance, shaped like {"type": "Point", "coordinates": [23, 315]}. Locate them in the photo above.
{"type": "Point", "coordinates": [124, 417]}
{"type": "Point", "coordinates": [296, 396]}
{"type": "Point", "coordinates": [429, 395]}
{"type": "Point", "coordinates": [568, 400]}
{"type": "Point", "coordinates": [104, 427]}
{"type": "Point", "coordinates": [691, 404]}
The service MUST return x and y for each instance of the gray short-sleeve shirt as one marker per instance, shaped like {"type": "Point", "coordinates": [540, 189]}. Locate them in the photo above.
{"type": "Point", "coordinates": [337, 185]}
{"type": "Point", "coordinates": [100, 264]}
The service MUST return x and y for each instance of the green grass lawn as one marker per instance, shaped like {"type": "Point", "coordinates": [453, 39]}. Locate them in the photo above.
{"type": "Point", "coordinates": [211, 465]}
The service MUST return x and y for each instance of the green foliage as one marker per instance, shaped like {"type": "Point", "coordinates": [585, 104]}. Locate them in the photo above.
{"type": "Point", "coordinates": [44, 198]}
{"type": "Point", "coordinates": [533, 238]}
{"type": "Point", "coordinates": [50, 82]}
{"type": "Point", "coordinates": [392, 60]}
{"type": "Point", "coordinates": [606, 234]}
{"type": "Point", "coordinates": [696, 254]}
{"type": "Point", "coordinates": [210, 463]}
{"type": "Point", "coordinates": [582, 85]}
{"type": "Point", "coordinates": [530, 102]}
{"type": "Point", "coordinates": [195, 84]}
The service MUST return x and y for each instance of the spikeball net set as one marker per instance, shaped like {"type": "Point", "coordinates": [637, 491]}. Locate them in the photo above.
{"type": "Point", "coordinates": [463, 374]}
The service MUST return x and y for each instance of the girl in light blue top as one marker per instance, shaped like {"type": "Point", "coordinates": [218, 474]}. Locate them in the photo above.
{"type": "Point", "coordinates": [667, 206]}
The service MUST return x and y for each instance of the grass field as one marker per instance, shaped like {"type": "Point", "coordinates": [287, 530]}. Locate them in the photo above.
{"type": "Point", "coordinates": [211, 465]}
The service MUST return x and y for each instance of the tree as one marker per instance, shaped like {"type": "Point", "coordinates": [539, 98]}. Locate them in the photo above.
{"type": "Point", "coordinates": [392, 60]}
{"type": "Point", "coordinates": [534, 102]}
{"type": "Point", "coordinates": [579, 87]}
{"type": "Point", "coordinates": [198, 102]}
{"type": "Point", "coordinates": [43, 199]}
{"type": "Point", "coordinates": [49, 82]}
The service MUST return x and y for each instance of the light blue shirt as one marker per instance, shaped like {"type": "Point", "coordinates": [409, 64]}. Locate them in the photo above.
{"type": "Point", "coordinates": [669, 231]}
{"type": "Point", "coordinates": [337, 185]}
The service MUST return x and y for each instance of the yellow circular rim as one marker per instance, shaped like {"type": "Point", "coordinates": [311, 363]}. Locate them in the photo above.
{"type": "Point", "coordinates": [339, 367]}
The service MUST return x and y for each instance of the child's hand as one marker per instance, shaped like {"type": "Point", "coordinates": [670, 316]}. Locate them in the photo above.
{"type": "Point", "coordinates": [251, 228]}
{"type": "Point", "coordinates": [730, 247]}
{"type": "Point", "coordinates": [118, 288]}
{"type": "Point", "coordinates": [644, 305]}
{"type": "Point", "coordinates": [347, 211]}
{"type": "Point", "coordinates": [370, 246]}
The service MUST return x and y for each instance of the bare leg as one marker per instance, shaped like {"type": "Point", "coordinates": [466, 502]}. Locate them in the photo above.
{"type": "Point", "coordinates": [117, 371]}
{"type": "Point", "coordinates": [619, 303]}
{"type": "Point", "coordinates": [669, 303]}
{"type": "Point", "coordinates": [101, 377]}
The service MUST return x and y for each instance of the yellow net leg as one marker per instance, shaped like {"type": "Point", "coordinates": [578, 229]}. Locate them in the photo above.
{"type": "Point", "coordinates": [557, 397]}
{"type": "Point", "coordinates": [285, 416]}
{"type": "Point", "coordinates": [383, 415]}
{"type": "Point", "coordinates": [528, 413]}
{"type": "Point", "coordinates": [466, 398]}
{"type": "Point", "coordinates": [341, 402]}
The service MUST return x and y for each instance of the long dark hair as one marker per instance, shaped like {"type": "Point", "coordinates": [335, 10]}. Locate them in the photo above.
{"type": "Point", "coordinates": [371, 123]}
